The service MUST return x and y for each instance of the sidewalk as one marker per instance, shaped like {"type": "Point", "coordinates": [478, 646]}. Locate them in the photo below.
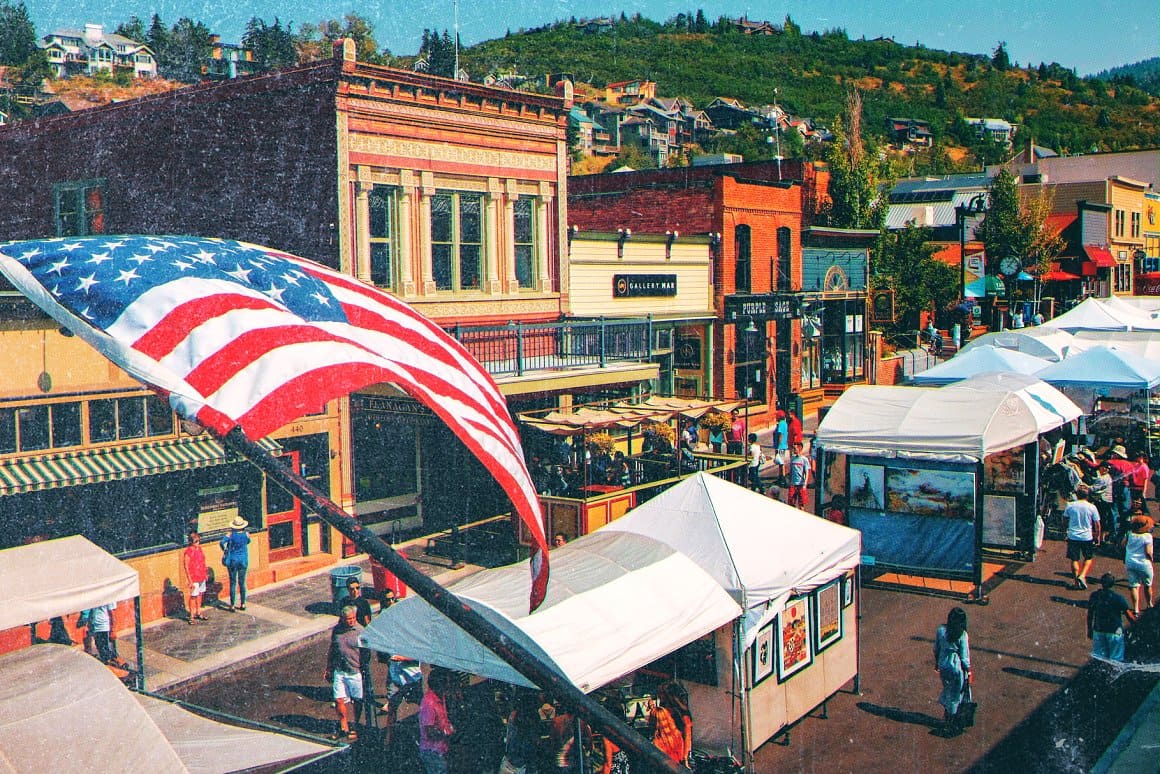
{"type": "Point", "coordinates": [277, 617]}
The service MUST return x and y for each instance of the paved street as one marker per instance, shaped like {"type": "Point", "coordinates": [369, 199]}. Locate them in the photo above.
{"type": "Point", "coordinates": [1042, 707]}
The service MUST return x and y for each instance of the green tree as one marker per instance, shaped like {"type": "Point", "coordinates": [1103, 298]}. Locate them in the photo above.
{"type": "Point", "coordinates": [904, 263]}
{"type": "Point", "coordinates": [186, 50]}
{"type": "Point", "coordinates": [134, 29]}
{"type": "Point", "coordinates": [17, 34]}
{"type": "Point", "coordinates": [274, 46]}
{"type": "Point", "coordinates": [856, 190]}
{"type": "Point", "coordinates": [999, 58]}
{"type": "Point", "coordinates": [356, 28]}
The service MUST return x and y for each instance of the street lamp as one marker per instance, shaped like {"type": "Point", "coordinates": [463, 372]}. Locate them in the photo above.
{"type": "Point", "coordinates": [976, 205]}
{"type": "Point", "coordinates": [747, 331]}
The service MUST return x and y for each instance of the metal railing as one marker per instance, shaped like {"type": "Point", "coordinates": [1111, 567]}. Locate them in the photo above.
{"type": "Point", "coordinates": [517, 348]}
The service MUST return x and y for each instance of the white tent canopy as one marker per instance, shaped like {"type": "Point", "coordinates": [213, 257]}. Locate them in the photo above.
{"type": "Point", "coordinates": [1092, 314]}
{"type": "Point", "coordinates": [963, 422]}
{"type": "Point", "coordinates": [1101, 371]}
{"type": "Point", "coordinates": [615, 603]}
{"type": "Point", "coordinates": [979, 360]}
{"type": "Point", "coordinates": [62, 710]}
{"type": "Point", "coordinates": [1041, 341]}
{"type": "Point", "coordinates": [52, 578]}
{"type": "Point", "coordinates": [761, 550]}
{"type": "Point", "coordinates": [1145, 344]}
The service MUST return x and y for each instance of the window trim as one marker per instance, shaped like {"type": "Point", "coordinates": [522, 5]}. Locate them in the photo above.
{"type": "Point", "coordinates": [532, 244]}
{"type": "Point", "coordinates": [84, 219]}
{"type": "Point", "coordinates": [456, 244]}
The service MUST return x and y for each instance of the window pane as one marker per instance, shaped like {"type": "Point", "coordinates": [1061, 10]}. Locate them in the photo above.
{"type": "Point", "coordinates": [7, 431]}
{"type": "Point", "coordinates": [282, 535]}
{"type": "Point", "coordinates": [523, 220]}
{"type": "Point", "coordinates": [66, 424]}
{"type": "Point", "coordinates": [159, 415]}
{"type": "Point", "coordinates": [441, 218]}
{"type": "Point", "coordinates": [278, 500]}
{"type": "Point", "coordinates": [525, 268]}
{"type": "Point", "coordinates": [34, 427]}
{"type": "Point", "coordinates": [470, 224]}
{"type": "Point", "coordinates": [469, 267]}
{"type": "Point", "coordinates": [66, 202]}
{"type": "Point", "coordinates": [102, 421]}
{"type": "Point", "coordinates": [382, 273]}
{"type": "Point", "coordinates": [441, 266]}
{"type": "Point", "coordinates": [381, 200]}
{"type": "Point", "coordinates": [130, 417]}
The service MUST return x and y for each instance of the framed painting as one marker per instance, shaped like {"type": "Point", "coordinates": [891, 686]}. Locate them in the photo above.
{"type": "Point", "coordinates": [827, 628]}
{"type": "Point", "coordinates": [925, 492]}
{"type": "Point", "coordinates": [763, 653]}
{"type": "Point", "coordinates": [794, 644]}
{"type": "Point", "coordinates": [847, 591]}
{"type": "Point", "coordinates": [865, 483]}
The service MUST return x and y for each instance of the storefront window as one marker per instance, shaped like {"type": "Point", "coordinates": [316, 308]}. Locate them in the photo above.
{"type": "Point", "coordinates": [811, 370]}
{"type": "Point", "coordinates": [524, 238]}
{"type": "Point", "coordinates": [843, 341]}
{"type": "Point", "coordinates": [34, 428]}
{"type": "Point", "coordinates": [385, 458]}
{"type": "Point", "coordinates": [457, 241]}
{"type": "Point", "coordinates": [160, 416]}
{"type": "Point", "coordinates": [130, 417]}
{"type": "Point", "coordinates": [383, 208]}
{"type": "Point", "coordinates": [66, 424]}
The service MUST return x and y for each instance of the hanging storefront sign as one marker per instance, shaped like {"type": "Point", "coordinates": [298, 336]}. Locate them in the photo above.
{"type": "Point", "coordinates": [687, 353]}
{"type": "Point", "coordinates": [637, 285]}
{"type": "Point", "coordinates": [769, 306]}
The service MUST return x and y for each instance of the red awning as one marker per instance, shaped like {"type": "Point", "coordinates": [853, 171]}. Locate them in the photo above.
{"type": "Point", "coordinates": [1100, 256]}
{"type": "Point", "coordinates": [1057, 275]}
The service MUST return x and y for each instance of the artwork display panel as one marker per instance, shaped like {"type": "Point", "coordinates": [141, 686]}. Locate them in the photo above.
{"type": "Point", "coordinates": [794, 644]}
{"type": "Point", "coordinates": [924, 492]}
{"type": "Point", "coordinates": [1006, 471]}
{"type": "Point", "coordinates": [866, 486]}
{"type": "Point", "coordinates": [763, 652]}
{"type": "Point", "coordinates": [827, 615]}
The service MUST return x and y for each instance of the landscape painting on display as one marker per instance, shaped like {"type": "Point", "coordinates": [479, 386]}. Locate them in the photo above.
{"type": "Point", "coordinates": [949, 493]}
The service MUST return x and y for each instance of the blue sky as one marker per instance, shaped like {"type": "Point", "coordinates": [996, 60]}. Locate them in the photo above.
{"type": "Point", "coordinates": [1089, 36]}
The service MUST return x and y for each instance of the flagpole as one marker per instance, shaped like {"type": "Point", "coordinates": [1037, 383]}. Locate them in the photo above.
{"type": "Point", "coordinates": [459, 611]}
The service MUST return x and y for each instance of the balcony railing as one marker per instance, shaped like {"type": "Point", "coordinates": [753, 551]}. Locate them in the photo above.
{"type": "Point", "coordinates": [518, 348]}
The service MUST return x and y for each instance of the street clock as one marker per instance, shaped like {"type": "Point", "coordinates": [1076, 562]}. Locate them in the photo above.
{"type": "Point", "coordinates": [1010, 266]}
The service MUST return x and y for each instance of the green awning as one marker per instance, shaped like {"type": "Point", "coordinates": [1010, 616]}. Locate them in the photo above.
{"type": "Point", "coordinates": [91, 466]}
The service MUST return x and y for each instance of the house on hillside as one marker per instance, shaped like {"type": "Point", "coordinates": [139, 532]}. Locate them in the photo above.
{"type": "Point", "coordinates": [92, 50]}
{"type": "Point", "coordinates": [909, 131]}
{"type": "Point", "coordinates": [227, 60]}
{"type": "Point", "coordinates": [629, 92]}
{"type": "Point", "coordinates": [729, 113]}
{"type": "Point", "coordinates": [746, 27]}
{"type": "Point", "coordinates": [994, 129]}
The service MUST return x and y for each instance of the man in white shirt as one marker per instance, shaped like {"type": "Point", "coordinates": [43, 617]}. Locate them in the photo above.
{"type": "Point", "coordinates": [1083, 535]}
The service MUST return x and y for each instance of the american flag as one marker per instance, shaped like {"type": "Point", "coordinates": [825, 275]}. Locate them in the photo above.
{"type": "Point", "coordinates": [241, 335]}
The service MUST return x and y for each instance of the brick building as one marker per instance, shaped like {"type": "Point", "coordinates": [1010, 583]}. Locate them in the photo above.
{"type": "Point", "coordinates": [450, 195]}
{"type": "Point", "coordinates": [774, 275]}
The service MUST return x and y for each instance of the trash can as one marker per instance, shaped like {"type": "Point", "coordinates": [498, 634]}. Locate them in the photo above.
{"type": "Point", "coordinates": [338, 578]}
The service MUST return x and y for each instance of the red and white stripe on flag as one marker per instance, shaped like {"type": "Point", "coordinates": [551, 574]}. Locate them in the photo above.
{"type": "Point", "coordinates": [241, 335]}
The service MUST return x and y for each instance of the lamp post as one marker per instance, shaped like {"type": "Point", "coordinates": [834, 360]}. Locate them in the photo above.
{"type": "Point", "coordinates": [976, 205]}
{"type": "Point", "coordinates": [746, 333]}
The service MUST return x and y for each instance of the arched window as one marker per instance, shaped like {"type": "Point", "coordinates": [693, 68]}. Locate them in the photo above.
{"type": "Point", "coordinates": [742, 269]}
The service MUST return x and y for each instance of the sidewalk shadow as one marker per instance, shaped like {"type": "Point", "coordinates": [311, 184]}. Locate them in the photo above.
{"type": "Point", "coordinates": [322, 608]}
{"type": "Point", "coordinates": [1031, 674]}
{"type": "Point", "coordinates": [319, 693]}
{"type": "Point", "coordinates": [1080, 603]}
{"type": "Point", "coordinates": [305, 723]}
{"type": "Point", "coordinates": [1025, 578]}
{"type": "Point", "coordinates": [901, 715]}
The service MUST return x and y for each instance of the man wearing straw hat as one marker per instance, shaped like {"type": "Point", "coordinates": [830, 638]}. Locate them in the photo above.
{"type": "Point", "coordinates": [236, 558]}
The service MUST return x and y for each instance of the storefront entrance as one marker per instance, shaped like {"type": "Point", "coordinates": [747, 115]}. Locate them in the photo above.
{"type": "Point", "coordinates": [284, 516]}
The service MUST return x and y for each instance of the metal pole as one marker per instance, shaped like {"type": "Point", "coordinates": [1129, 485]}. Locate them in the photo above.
{"type": "Point", "coordinates": [459, 611]}
{"type": "Point", "coordinates": [140, 634]}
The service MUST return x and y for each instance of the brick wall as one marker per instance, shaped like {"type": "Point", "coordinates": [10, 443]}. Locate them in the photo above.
{"type": "Point", "coordinates": [253, 159]}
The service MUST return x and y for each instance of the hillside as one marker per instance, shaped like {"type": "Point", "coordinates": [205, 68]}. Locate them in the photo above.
{"type": "Point", "coordinates": [811, 73]}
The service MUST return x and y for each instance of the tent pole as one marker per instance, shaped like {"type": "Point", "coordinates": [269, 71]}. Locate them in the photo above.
{"type": "Point", "coordinates": [743, 692]}
{"type": "Point", "coordinates": [457, 610]}
{"type": "Point", "coordinates": [139, 633]}
{"type": "Point", "coordinates": [857, 580]}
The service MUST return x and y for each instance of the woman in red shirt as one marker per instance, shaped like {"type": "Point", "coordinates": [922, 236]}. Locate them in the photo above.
{"type": "Point", "coordinates": [196, 574]}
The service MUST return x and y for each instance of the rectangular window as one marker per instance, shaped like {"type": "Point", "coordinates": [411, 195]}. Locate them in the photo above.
{"type": "Point", "coordinates": [130, 417]}
{"type": "Point", "coordinates": [1123, 278]}
{"type": "Point", "coordinates": [66, 424]}
{"type": "Point", "coordinates": [80, 208]}
{"type": "Point", "coordinates": [159, 417]}
{"type": "Point", "coordinates": [7, 431]}
{"type": "Point", "coordinates": [1119, 223]}
{"type": "Point", "coordinates": [102, 421]}
{"type": "Point", "coordinates": [32, 424]}
{"type": "Point", "coordinates": [384, 212]}
{"type": "Point", "coordinates": [524, 239]}
{"type": "Point", "coordinates": [1135, 225]}
{"type": "Point", "coordinates": [457, 241]}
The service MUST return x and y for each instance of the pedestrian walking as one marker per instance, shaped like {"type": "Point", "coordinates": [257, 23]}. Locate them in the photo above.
{"type": "Point", "coordinates": [736, 441]}
{"type": "Point", "coordinates": [1138, 558]}
{"type": "Point", "coordinates": [1083, 535]}
{"type": "Point", "coordinates": [344, 669]}
{"type": "Point", "coordinates": [196, 575]}
{"type": "Point", "coordinates": [781, 446]}
{"type": "Point", "coordinates": [952, 661]}
{"type": "Point", "coordinates": [101, 626]}
{"type": "Point", "coordinates": [800, 467]}
{"type": "Point", "coordinates": [235, 547]}
{"type": "Point", "coordinates": [1105, 620]}
{"type": "Point", "coordinates": [756, 459]}
{"type": "Point", "coordinates": [435, 729]}
{"type": "Point", "coordinates": [354, 598]}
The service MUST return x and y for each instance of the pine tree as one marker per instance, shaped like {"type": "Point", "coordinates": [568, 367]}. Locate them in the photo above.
{"type": "Point", "coordinates": [17, 35]}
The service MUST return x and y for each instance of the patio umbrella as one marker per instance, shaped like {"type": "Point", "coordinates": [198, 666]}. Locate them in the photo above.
{"type": "Point", "coordinates": [1057, 275]}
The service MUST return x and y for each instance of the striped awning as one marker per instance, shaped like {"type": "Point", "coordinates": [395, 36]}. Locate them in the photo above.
{"type": "Point", "coordinates": [91, 466]}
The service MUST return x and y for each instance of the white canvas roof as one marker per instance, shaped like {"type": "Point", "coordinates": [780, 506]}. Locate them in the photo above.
{"type": "Point", "coordinates": [1145, 344]}
{"type": "Point", "coordinates": [1102, 371]}
{"type": "Point", "coordinates": [979, 360]}
{"type": "Point", "coordinates": [962, 422]}
{"type": "Point", "coordinates": [62, 710]}
{"type": "Point", "coordinates": [1042, 341]}
{"type": "Point", "coordinates": [1092, 314]}
{"type": "Point", "coordinates": [615, 603]}
{"type": "Point", "coordinates": [760, 549]}
{"type": "Point", "coordinates": [56, 577]}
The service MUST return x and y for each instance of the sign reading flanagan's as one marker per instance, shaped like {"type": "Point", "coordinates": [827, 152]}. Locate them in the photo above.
{"type": "Point", "coordinates": [635, 285]}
